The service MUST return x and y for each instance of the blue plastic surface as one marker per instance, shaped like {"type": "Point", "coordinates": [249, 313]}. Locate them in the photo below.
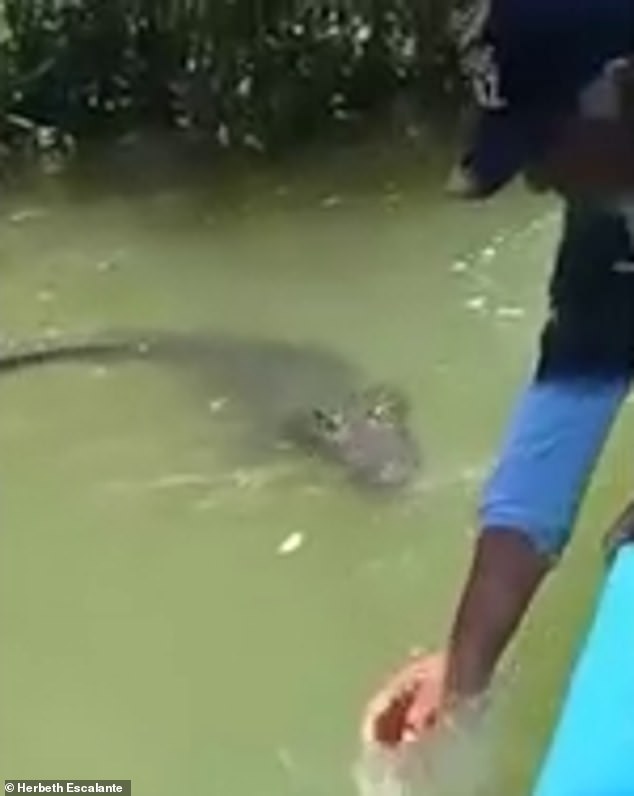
{"type": "Point", "coordinates": [592, 749]}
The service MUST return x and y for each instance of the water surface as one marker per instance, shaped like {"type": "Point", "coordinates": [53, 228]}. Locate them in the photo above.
{"type": "Point", "coordinates": [184, 611]}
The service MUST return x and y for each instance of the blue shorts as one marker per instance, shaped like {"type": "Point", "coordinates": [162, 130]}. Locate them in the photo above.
{"type": "Point", "coordinates": [555, 438]}
{"type": "Point", "coordinates": [584, 369]}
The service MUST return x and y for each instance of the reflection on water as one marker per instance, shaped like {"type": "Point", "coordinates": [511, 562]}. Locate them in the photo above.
{"type": "Point", "coordinates": [206, 622]}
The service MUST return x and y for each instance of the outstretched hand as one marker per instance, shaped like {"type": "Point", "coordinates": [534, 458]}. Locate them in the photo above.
{"type": "Point", "coordinates": [410, 705]}
{"type": "Point", "coordinates": [417, 735]}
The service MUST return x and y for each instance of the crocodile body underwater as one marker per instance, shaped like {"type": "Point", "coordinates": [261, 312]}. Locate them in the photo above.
{"type": "Point", "coordinates": [299, 394]}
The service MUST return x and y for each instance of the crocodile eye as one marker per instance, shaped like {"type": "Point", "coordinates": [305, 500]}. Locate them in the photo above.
{"type": "Point", "coordinates": [384, 404]}
{"type": "Point", "coordinates": [393, 408]}
{"type": "Point", "coordinates": [378, 413]}
{"type": "Point", "coordinates": [329, 421]}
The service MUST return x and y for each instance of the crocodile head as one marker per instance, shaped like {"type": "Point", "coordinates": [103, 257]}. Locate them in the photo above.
{"type": "Point", "coordinates": [367, 434]}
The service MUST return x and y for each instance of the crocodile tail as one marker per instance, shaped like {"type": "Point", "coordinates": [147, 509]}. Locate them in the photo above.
{"type": "Point", "coordinates": [49, 353]}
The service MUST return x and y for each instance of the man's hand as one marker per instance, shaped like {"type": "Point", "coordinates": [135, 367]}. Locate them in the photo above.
{"type": "Point", "coordinates": [410, 705]}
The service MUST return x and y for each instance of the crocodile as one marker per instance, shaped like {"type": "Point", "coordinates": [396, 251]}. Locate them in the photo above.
{"type": "Point", "coordinates": [301, 395]}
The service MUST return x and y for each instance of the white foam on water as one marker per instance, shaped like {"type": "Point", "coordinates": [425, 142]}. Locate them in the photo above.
{"type": "Point", "coordinates": [378, 773]}
{"type": "Point", "coordinates": [476, 303]}
{"type": "Point", "coordinates": [510, 312]}
{"type": "Point", "coordinates": [487, 254]}
{"type": "Point", "coordinates": [28, 214]}
{"type": "Point", "coordinates": [291, 544]}
{"type": "Point", "coordinates": [459, 266]}
{"type": "Point", "coordinates": [455, 762]}
{"type": "Point", "coordinates": [467, 476]}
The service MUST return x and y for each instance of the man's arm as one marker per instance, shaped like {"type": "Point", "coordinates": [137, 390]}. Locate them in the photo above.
{"type": "Point", "coordinates": [554, 441]}
{"type": "Point", "coordinates": [552, 445]}
{"type": "Point", "coordinates": [529, 508]}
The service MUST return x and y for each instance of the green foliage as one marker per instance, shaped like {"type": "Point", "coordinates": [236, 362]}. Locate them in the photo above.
{"type": "Point", "coordinates": [255, 73]}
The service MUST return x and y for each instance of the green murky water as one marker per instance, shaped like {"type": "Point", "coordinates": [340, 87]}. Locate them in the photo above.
{"type": "Point", "coordinates": [177, 608]}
